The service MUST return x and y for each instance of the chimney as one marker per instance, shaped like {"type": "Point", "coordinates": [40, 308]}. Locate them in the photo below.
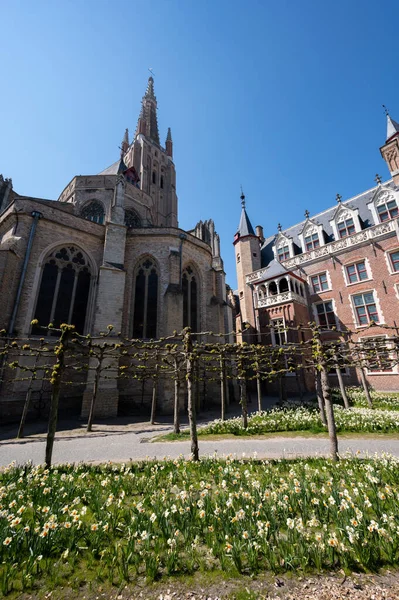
{"type": "Point", "coordinates": [259, 233]}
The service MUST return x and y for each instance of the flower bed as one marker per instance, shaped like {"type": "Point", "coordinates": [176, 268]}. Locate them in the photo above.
{"type": "Point", "coordinates": [308, 419]}
{"type": "Point", "coordinates": [383, 400]}
{"type": "Point", "coordinates": [116, 523]}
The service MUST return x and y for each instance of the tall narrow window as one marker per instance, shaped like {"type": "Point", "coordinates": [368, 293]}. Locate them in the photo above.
{"type": "Point", "coordinates": [146, 301]}
{"type": "Point", "coordinates": [64, 290]}
{"type": "Point", "coordinates": [93, 211]}
{"type": "Point", "coordinates": [190, 299]}
{"type": "Point", "coordinates": [132, 219]}
{"type": "Point", "coordinates": [325, 314]}
{"type": "Point", "coordinates": [154, 177]}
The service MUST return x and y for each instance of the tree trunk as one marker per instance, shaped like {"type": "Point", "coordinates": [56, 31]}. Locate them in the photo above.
{"type": "Point", "coordinates": [365, 386]}
{"type": "Point", "coordinates": [190, 400]}
{"type": "Point", "coordinates": [176, 407]}
{"type": "Point", "coordinates": [154, 391]}
{"type": "Point", "coordinates": [244, 403]}
{"type": "Point", "coordinates": [222, 389]}
{"type": "Point", "coordinates": [298, 383]}
{"type": "Point", "coordinates": [332, 432]}
{"type": "Point", "coordinates": [56, 377]}
{"type": "Point", "coordinates": [259, 391]}
{"type": "Point", "coordinates": [342, 386]}
{"type": "Point", "coordinates": [20, 433]}
{"type": "Point", "coordinates": [320, 398]}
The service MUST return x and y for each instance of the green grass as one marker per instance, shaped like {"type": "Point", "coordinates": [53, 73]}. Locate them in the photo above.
{"type": "Point", "coordinates": [75, 527]}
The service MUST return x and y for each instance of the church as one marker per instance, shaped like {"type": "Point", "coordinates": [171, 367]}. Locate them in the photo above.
{"type": "Point", "coordinates": [338, 268]}
{"type": "Point", "coordinates": [109, 250]}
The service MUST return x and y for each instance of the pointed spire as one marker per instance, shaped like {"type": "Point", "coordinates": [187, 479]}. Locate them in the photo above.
{"type": "Point", "coordinates": [392, 127]}
{"type": "Point", "coordinates": [125, 143]}
{"type": "Point", "coordinates": [245, 226]}
{"type": "Point", "coordinates": [150, 88]}
{"type": "Point", "coordinates": [148, 122]}
{"type": "Point", "coordinates": [169, 143]}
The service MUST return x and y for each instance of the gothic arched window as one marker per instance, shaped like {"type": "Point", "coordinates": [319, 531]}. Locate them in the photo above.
{"type": "Point", "coordinates": [146, 300]}
{"type": "Point", "coordinates": [132, 219]}
{"type": "Point", "coordinates": [190, 299]}
{"type": "Point", "coordinates": [93, 211]}
{"type": "Point", "coordinates": [64, 290]}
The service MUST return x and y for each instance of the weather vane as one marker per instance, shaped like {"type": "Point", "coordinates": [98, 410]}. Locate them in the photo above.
{"type": "Point", "coordinates": [386, 111]}
{"type": "Point", "coordinates": [151, 71]}
{"type": "Point", "coordinates": [242, 198]}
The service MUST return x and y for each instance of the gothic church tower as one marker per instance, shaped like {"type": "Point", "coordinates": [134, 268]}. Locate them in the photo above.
{"type": "Point", "coordinates": [152, 163]}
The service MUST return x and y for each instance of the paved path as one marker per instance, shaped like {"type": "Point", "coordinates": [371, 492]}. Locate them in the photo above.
{"type": "Point", "coordinates": [124, 445]}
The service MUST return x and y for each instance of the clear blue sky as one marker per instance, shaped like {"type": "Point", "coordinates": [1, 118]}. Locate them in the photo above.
{"type": "Point", "coordinates": [283, 97]}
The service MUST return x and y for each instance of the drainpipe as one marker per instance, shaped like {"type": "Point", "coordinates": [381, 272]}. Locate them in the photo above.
{"type": "Point", "coordinates": [182, 237]}
{"type": "Point", "coordinates": [36, 216]}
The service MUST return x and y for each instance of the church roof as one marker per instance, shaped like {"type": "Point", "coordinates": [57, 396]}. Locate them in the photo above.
{"type": "Point", "coordinates": [245, 227]}
{"type": "Point", "coordinates": [323, 218]}
{"type": "Point", "coordinates": [113, 169]}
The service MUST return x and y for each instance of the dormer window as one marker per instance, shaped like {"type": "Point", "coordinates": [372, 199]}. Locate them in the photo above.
{"type": "Point", "coordinates": [283, 253]}
{"type": "Point", "coordinates": [387, 209]}
{"type": "Point", "coordinates": [312, 241]}
{"type": "Point", "coordinates": [346, 228]}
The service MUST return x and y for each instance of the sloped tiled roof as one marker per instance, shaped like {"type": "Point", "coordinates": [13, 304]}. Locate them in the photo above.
{"type": "Point", "coordinates": [245, 227]}
{"type": "Point", "coordinates": [323, 218]}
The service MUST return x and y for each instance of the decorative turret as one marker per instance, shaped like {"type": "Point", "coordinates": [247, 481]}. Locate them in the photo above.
{"type": "Point", "coordinates": [390, 150]}
{"type": "Point", "coordinates": [169, 144]}
{"type": "Point", "coordinates": [148, 122]}
{"type": "Point", "coordinates": [125, 143]}
{"type": "Point", "coordinates": [245, 227]}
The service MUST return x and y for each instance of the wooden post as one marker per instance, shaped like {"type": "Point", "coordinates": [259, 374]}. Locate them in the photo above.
{"type": "Point", "coordinates": [365, 386]}
{"type": "Point", "coordinates": [222, 387]}
{"type": "Point", "coordinates": [154, 390]}
{"type": "Point", "coordinates": [341, 383]}
{"type": "Point", "coordinates": [25, 410]}
{"type": "Point", "coordinates": [188, 346]}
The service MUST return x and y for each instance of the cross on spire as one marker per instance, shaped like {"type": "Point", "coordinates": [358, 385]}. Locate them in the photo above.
{"type": "Point", "coordinates": [307, 214]}
{"type": "Point", "coordinates": [378, 179]}
{"type": "Point", "coordinates": [386, 111]}
{"type": "Point", "coordinates": [339, 198]}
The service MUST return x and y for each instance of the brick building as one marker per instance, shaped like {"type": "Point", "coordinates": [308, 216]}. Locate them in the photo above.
{"type": "Point", "coordinates": [339, 268]}
{"type": "Point", "coordinates": [110, 251]}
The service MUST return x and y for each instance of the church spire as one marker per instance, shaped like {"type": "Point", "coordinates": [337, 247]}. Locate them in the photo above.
{"type": "Point", "coordinates": [392, 127]}
{"type": "Point", "coordinates": [125, 143]}
{"type": "Point", "coordinates": [148, 121]}
{"type": "Point", "coordinates": [169, 143]}
{"type": "Point", "coordinates": [245, 226]}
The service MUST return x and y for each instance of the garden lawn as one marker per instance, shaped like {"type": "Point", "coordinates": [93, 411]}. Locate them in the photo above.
{"type": "Point", "coordinates": [300, 418]}
{"type": "Point", "coordinates": [116, 523]}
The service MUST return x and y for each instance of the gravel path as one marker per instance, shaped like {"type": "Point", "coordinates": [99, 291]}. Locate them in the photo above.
{"type": "Point", "coordinates": [104, 445]}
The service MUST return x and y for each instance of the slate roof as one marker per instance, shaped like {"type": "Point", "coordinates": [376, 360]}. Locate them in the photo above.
{"type": "Point", "coordinates": [245, 227]}
{"type": "Point", "coordinates": [117, 167]}
{"type": "Point", "coordinates": [112, 170]}
{"type": "Point", "coordinates": [360, 202]}
{"type": "Point", "coordinates": [392, 127]}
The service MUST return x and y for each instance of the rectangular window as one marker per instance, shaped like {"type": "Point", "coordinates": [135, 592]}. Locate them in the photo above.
{"type": "Point", "coordinates": [312, 241]}
{"type": "Point", "coordinates": [394, 257]}
{"type": "Point", "coordinates": [346, 228]}
{"type": "Point", "coordinates": [319, 282]}
{"type": "Point", "coordinates": [365, 308]}
{"type": "Point", "coordinates": [357, 272]}
{"type": "Point", "coordinates": [283, 253]}
{"type": "Point", "coordinates": [387, 210]}
{"type": "Point", "coordinates": [279, 335]}
{"type": "Point", "coordinates": [377, 355]}
{"type": "Point", "coordinates": [325, 314]}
